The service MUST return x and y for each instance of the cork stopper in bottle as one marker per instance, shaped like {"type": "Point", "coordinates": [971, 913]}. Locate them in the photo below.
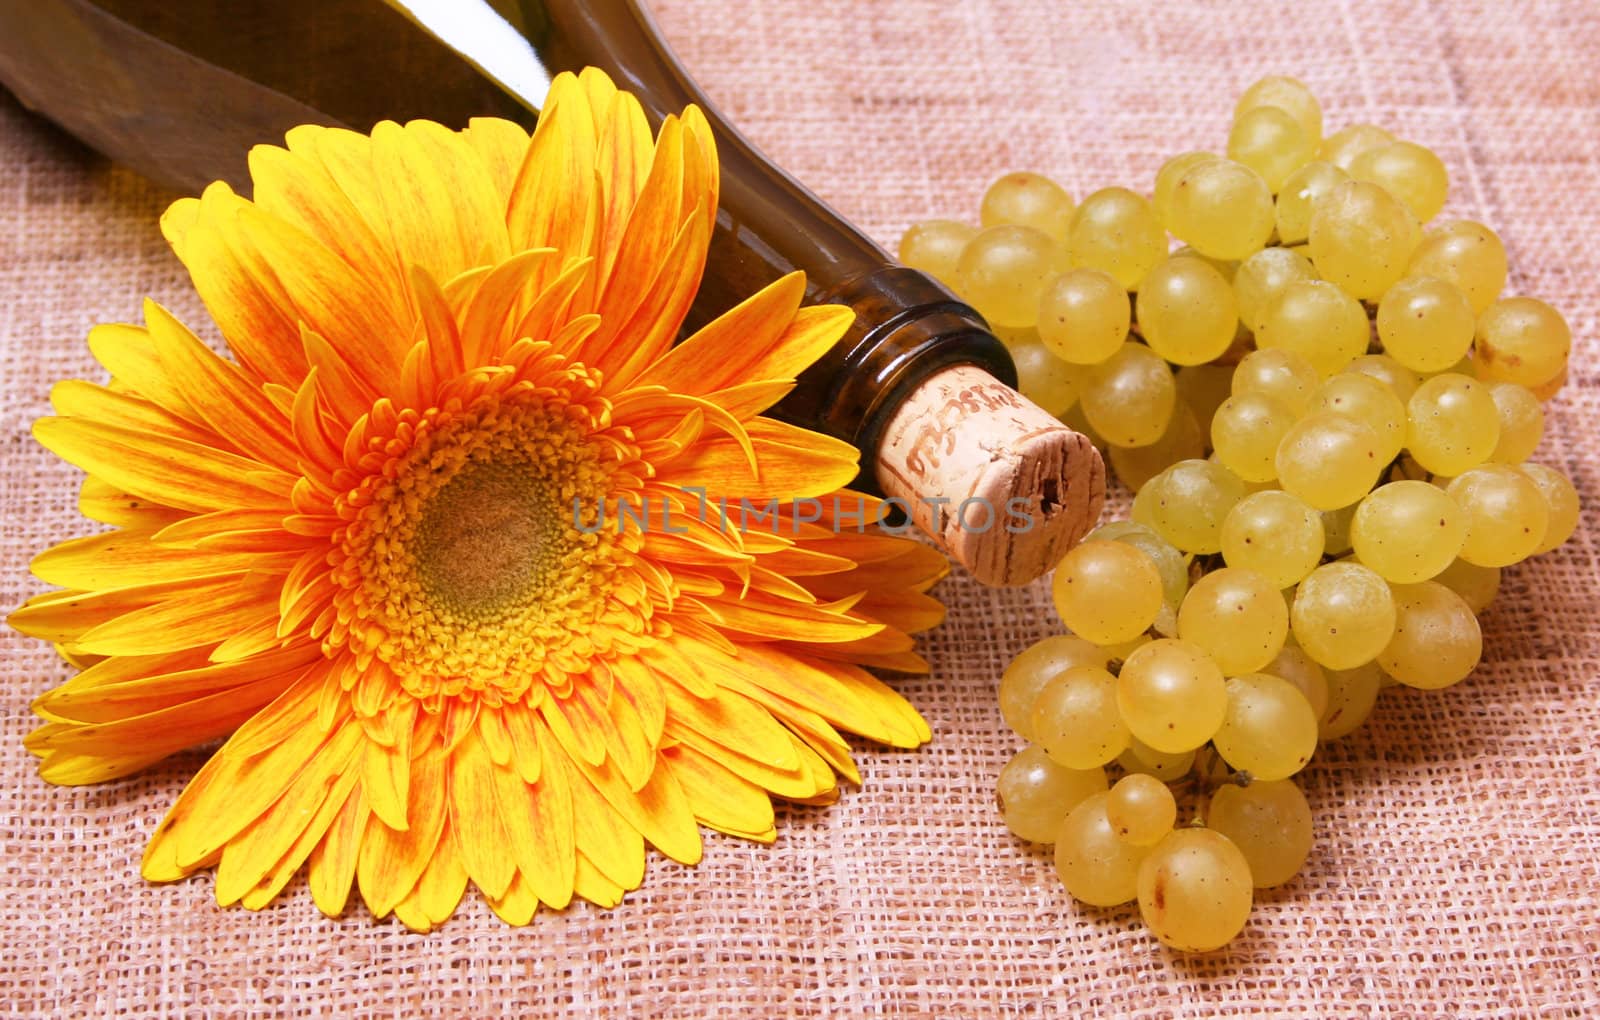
{"type": "Point", "coordinates": [998, 482]}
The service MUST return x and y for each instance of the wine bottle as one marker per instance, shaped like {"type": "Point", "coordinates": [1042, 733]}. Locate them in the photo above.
{"type": "Point", "coordinates": [181, 90]}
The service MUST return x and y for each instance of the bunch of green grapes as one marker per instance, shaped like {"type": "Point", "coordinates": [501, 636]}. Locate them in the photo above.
{"type": "Point", "coordinates": [1183, 688]}
{"type": "Point", "coordinates": [1325, 408]}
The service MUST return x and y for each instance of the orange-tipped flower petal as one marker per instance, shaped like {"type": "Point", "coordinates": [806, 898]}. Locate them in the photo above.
{"type": "Point", "coordinates": [481, 579]}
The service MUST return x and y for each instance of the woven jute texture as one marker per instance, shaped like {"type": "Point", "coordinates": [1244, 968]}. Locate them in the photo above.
{"type": "Point", "coordinates": [1455, 872]}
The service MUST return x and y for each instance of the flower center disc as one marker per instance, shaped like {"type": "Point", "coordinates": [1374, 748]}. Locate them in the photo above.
{"type": "Point", "coordinates": [487, 539]}
{"type": "Point", "coordinates": [461, 566]}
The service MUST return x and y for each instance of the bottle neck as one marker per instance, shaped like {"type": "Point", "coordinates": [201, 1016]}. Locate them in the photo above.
{"type": "Point", "coordinates": [768, 224]}
{"type": "Point", "coordinates": [907, 327]}
{"type": "Point", "coordinates": [270, 66]}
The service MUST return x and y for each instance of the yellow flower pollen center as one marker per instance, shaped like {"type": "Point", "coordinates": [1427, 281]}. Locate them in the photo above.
{"type": "Point", "coordinates": [462, 568]}
{"type": "Point", "coordinates": [487, 538]}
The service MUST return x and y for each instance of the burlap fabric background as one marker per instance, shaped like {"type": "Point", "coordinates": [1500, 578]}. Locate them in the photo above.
{"type": "Point", "coordinates": [1455, 873]}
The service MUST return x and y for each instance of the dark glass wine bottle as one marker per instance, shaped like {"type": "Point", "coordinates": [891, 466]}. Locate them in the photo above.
{"type": "Point", "coordinates": [181, 90]}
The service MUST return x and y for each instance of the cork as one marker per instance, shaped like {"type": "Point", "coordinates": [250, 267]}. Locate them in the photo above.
{"type": "Point", "coordinates": [997, 481]}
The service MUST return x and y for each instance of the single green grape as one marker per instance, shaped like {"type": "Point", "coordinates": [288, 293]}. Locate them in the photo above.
{"type": "Point", "coordinates": [1141, 809]}
{"type": "Point", "coordinates": [1075, 719]}
{"type": "Point", "coordinates": [1190, 501]}
{"type": "Point", "coordinates": [1343, 146]}
{"type": "Point", "coordinates": [1507, 514]}
{"type": "Point", "coordinates": [1401, 380]}
{"type": "Point", "coordinates": [1408, 531]}
{"type": "Point", "coordinates": [1143, 759]}
{"type": "Point", "coordinates": [1262, 276]}
{"type": "Point", "coordinates": [1171, 564]}
{"type": "Point", "coordinates": [1033, 668]}
{"type": "Point", "coordinates": [1425, 323]}
{"type": "Point", "coordinates": [1129, 397]}
{"type": "Point", "coordinates": [1336, 529]}
{"type": "Point", "coordinates": [1027, 200]}
{"type": "Point", "coordinates": [1246, 432]}
{"type": "Point", "coordinates": [1521, 340]}
{"type": "Point", "coordinates": [1329, 460]}
{"type": "Point", "coordinates": [1295, 666]}
{"type": "Point", "coordinates": [1286, 375]}
{"type": "Point", "coordinates": [1561, 499]}
{"type": "Point", "coordinates": [1167, 179]}
{"type": "Point", "coordinates": [1227, 267]}
{"type": "Point", "coordinates": [1171, 695]}
{"type": "Point", "coordinates": [1467, 254]}
{"type": "Point", "coordinates": [1002, 272]}
{"type": "Point", "coordinates": [1343, 615]}
{"type": "Point", "coordinates": [1270, 730]}
{"type": "Point", "coordinates": [1036, 794]}
{"type": "Point", "coordinates": [1271, 142]}
{"type": "Point", "coordinates": [1195, 890]}
{"type": "Point", "coordinates": [1096, 865]}
{"type": "Point", "coordinates": [1116, 530]}
{"type": "Point", "coordinates": [1275, 535]}
{"type": "Point", "coordinates": [1107, 592]}
{"type": "Point", "coordinates": [1476, 585]}
{"type": "Point", "coordinates": [1237, 616]}
{"type": "Point", "coordinates": [1183, 440]}
{"type": "Point", "coordinates": [933, 246]}
{"type": "Point", "coordinates": [1452, 424]}
{"type": "Point", "coordinates": [1361, 238]}
{"type": "Point", "coordinates": [1366, 400]}
{"type": "Point", "coordinates": [1316, 320]}
{"type": "Point", "coordinates": [1084, 316]}
{"type": "Point", "coordinates": [1299, 194]}
{"type": "Point", "coordinates": [1351, 695]}
{"type": "Point", "coordinates": [1166, 624]}
{"type": "Point", "coordinates": [1409, 172]}
{"type": "Point", "coordinates": [1436, 640]}
{"type": "Point", "coordinates": [1550, 387]}
{"type": "Point", "coordinates": [1074, 418]}
{"type": "Point", "coordinates": [1221, 208]}
{"type": "Point", "coordinates": [1045, 379]}
{"type": "Point", "coordinates": [1116, 231]}
{"type": "Point", "coordinates": [1290, 95]}
{"type": "Point", "coordinates": [1250, 488]}
{"type": "Point", "coordinates": [1143, 509]}
{"type": "Point", "coordinates": [1015, 336]}
{"type": "Point", "coordinates": [1521, 422]}
{"type": "Point", "coordinates": [1270, 823]}
{"type": "Point", "coordinates": [1187, 311]}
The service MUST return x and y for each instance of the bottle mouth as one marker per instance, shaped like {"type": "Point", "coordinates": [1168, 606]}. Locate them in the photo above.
{"type": "Point", "coordinates": [956, 342]}
{"type": "Point", "coordinates": [908, 327]}
{"type": "Point", "coordinates": [998, 482]}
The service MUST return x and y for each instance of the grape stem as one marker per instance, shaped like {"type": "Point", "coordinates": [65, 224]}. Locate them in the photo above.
{"type": "Point", "coordinates": [1208, 773]}
{"type": "Point", "coordinates": [1202, 565]}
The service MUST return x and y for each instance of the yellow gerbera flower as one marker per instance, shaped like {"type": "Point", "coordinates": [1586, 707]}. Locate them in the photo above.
{"type": "Point", "coordinates": [354, 548]}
